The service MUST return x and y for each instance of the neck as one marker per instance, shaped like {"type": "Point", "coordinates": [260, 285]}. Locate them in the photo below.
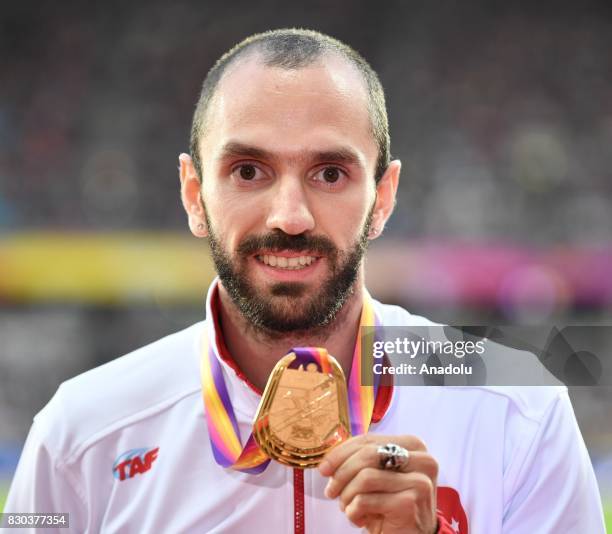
{"type": "Point", "coordinates": [256, 353]}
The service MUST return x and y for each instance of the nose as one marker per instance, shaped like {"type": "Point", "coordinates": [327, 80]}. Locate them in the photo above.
{"type": "Point", "coordinates": [289, 210]}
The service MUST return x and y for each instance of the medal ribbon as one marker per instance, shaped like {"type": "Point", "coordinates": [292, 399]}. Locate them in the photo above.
{"type": "Point", "coordinates": [221, 420]}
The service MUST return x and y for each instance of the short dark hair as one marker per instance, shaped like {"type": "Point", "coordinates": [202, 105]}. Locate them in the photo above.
{"type": "Point", "coordinates": [295, 49]}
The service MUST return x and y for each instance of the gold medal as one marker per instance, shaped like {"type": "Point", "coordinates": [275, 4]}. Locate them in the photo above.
{"type": "Point", "coordinates": [303, 412]}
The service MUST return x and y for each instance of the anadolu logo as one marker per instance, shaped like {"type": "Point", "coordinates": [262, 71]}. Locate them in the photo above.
{"type": "Point", "coordinates": [134, 462]}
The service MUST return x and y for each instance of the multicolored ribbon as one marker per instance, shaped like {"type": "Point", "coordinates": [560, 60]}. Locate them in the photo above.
{"type": "Point", "coordinates": [316, 355]}
{"type": "Point", "coordinates": [221, 420]}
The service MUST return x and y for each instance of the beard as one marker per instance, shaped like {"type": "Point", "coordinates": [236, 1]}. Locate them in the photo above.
{"type": "Point", "coordinates": [289, 307]}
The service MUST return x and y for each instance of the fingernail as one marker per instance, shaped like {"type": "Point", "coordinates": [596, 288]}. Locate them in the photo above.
{"type": "Point", "coordinates": [325, 468]}
{"type": "Point", "coordinates": [342, 507]}
{"type": "Point", "coordinates": [327, 491]}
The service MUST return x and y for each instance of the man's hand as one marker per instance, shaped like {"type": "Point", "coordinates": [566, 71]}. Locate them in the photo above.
{"type": "Point", "coordinates": [383, 501]}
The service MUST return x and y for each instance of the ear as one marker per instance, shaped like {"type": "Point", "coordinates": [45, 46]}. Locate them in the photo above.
{"type": "Point", "coordinates": [191, 196]}
{"type": "Point", "coordinates": [386, 190]}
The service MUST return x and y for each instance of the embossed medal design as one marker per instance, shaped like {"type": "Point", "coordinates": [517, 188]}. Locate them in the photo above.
{"type": "Point", "coordinates": [304, 409]}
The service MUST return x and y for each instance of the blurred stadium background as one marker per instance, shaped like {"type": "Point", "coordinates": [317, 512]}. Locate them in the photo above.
{"type": "Point", "coordinates": [500, 112]}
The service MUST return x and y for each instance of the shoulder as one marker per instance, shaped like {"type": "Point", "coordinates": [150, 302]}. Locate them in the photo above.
{"type": "Point", "coordinates": [529, 402]}
{"type": "Point", "coordinates": [122, 392]}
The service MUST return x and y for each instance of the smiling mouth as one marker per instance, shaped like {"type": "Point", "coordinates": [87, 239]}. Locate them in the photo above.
{"type": "Point", "coordinates": [294, 263]}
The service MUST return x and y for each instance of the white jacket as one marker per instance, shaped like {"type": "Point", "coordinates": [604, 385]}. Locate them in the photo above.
{"type": "Point", "coordinates": [512, 460]}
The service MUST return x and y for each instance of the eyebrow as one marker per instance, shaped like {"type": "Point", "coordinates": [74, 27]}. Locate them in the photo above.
{"type": "Point", "coordinates": [340, 154]}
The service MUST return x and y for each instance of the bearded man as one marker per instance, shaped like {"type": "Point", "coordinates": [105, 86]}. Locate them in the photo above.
{"type": "Point", "coordinates": [289, 177]}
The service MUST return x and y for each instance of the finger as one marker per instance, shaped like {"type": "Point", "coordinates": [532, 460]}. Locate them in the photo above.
{"type": "Point", "coordinates": [374, 524]}
{"type": "Point", "coordinates": [368, 457]}
{"type": "Point", "coordinates": [338, 455]}
{"type": "Point", "coordinates": [370, 481]}
{"type": "Point", "coordinates": [394, 507]}
{"type": "Point", "coordinates": [404, 511]}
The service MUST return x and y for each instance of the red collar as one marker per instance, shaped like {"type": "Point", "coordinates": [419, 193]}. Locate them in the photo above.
{"type": "Point", "coordinates": [385, 390]}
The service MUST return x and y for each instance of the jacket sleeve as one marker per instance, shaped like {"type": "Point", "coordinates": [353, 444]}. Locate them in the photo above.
{"type": "Point", "coordinates": [41, 484]}
{"type": "Point", "coordinates": [554, 490]}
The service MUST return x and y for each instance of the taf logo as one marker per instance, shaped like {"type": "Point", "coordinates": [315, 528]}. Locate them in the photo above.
{"type": "Point", "coordinates": [134, 462]}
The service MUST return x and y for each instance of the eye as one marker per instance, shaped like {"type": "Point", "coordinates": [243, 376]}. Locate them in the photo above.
{"type": "Point", "coordinates": [330, 176]}
{"type": "Point", "coordinates": [247, 172]}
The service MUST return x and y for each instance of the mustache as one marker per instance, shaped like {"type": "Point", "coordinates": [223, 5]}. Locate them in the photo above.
{"type": "Point", "coordinates": [279, 240]}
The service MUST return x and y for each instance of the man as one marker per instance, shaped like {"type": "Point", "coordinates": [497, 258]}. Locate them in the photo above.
{"type": "Point", "coordinates": [289, 177]}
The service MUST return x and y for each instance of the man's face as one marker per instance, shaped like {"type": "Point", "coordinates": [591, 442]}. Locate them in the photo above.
{"type": "Point", "coordinates": [288, 163]}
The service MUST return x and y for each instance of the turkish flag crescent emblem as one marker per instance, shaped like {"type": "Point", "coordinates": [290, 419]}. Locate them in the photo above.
{"type": "Point", "coordinates": [451, 511]}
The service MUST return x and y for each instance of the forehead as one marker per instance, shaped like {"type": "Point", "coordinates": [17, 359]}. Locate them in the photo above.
{"type": "Point", "coordinates": [325, 103]}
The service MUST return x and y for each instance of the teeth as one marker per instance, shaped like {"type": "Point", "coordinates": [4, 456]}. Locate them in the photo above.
{"type": "Point", "coordinates": [291, 264]}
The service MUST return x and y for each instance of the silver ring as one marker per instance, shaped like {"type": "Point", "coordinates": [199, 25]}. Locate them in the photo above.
{"type": "Point", "coordinates": [392, 457]}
